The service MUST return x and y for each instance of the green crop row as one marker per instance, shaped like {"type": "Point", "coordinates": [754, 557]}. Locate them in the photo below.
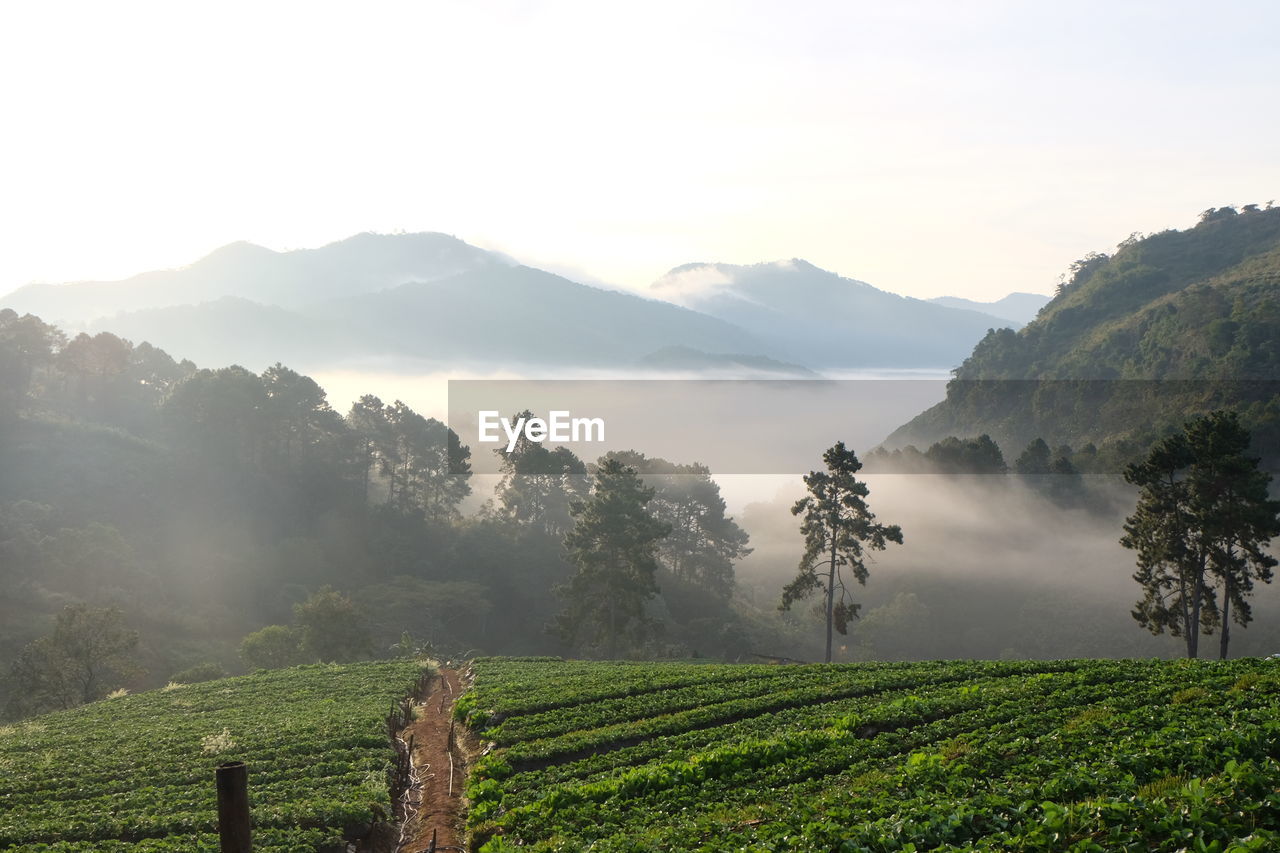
{"type": "Point", "coordinates": [136, 773]}
{"type": "Point", "coordinates": [1084, 755]}
{"type": "Point", "coordinates": [1134, 739]}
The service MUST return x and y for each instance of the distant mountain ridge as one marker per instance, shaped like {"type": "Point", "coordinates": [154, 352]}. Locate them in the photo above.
{"type": "Point", "coordinates": [433, 298]}
{"type": "Point", "coordinates": [365, 263]}
{"type": "Point", "coordinates": [824, 320]}
{"type": "Point", "coordinates": [1019, 308]}
{"type": "Point", "coordinates": [494, 317]}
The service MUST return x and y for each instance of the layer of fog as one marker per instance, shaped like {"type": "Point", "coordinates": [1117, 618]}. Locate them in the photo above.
{"type": "Point", "coordinates": [989, 567]}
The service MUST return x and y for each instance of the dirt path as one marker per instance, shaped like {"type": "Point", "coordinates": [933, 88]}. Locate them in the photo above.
{"type": "Point", "coordinates": [435, 804]}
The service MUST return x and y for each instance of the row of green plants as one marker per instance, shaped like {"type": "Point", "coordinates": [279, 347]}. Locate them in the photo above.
{"type": "Point", "coordinates": [871, 709]}
{"type": "Point", "coordinates": [136, 772]}
{"type": "Point", "coordinates": [1085, 755]}
{"type": "Point", "coordinates": [999, 787]}
{"type": "Point", "coordinates": [718, 688]}
{"type": "Point", "coordinates": [528, 685]}
{"type": "Point", "coordinates": [674, 785]}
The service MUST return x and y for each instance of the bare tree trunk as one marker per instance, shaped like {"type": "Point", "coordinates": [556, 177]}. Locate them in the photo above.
{"type": "Point", "coordinates": [1225, 639]}
{"type": "Point", "coordinates": [1193, 630]}
{"type": "Point", "coordinates": [831, 593]}
{"type": "Point", "coordinates": [613, 626]}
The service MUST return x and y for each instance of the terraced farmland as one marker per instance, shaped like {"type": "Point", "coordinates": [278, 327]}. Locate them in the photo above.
{"type": "Point", "coordinates": [997, 756]}
{"type": "Point", "coordinates": [135, 773]}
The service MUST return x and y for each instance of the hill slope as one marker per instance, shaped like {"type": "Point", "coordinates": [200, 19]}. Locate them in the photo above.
{"type": "Point", "coordinates": [136, 773]}
{"type": "Point", "coordinates": [962, 755]}
{"type": "Point", "coordinates": [1174, 324]}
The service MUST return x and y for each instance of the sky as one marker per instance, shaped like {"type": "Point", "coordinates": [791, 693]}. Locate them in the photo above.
{"type": "Point", "coordinates": [929, 148]}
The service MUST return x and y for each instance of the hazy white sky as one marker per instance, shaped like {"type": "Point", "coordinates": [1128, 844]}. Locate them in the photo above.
{"type": "Point", "coordinates": [970, 148]}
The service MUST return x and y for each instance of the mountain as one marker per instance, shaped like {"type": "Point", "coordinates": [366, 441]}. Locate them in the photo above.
{"type": "Point", "coordinates": [519, 315]}
{"type": "Point", "coordinates": [1019, 308]}
{"type": "Point", "coordinates": [1174, 324]}
{"type": "Point", "coordinates": [365, 263]}
{"type": "Point", "coordinates": [433, 298]}
{"type": "Point", "coordinates": [494, 316]}
{"type": "Point", "coordinates": [824, 320]}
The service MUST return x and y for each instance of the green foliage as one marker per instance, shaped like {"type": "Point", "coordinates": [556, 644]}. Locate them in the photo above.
{"type": "Point", "coordinates": [613, 548]}
{"type": "Point", "coordinates": [966, 456]}
{"type": "Point", "coordinates": [136, 773]}
{"type": "Point", "coordinates": [209, 500]}
{"type": "Point", "coordinates": [990, 756]}
{"type": "Point", "coordinates": [1197, 310]}
{"type": "Point", "coordinates": [89, 653]}
{"type": "Point", "coordinates": [330, 627]}
{"type": "Point", "coordinates": [703, 543]}
{"type": "Point", "coordinates": [272, 647]}
{"type": "Point", "coordinates": [540, 485]}
{"type": "Point", "coordinates": [431, 612]}
{"type": "Point", "coordinates": [208, 671]}
{"type": "Point", "coordinates": [1203, 521]}
{"type": "Point", "coordinates": [420, 461]}
{"type": "Point", "coordinates": [1189, 694]}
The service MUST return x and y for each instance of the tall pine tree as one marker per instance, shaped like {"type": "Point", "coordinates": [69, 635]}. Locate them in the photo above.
{"type": "Point", "coordinates": [839, 528]}
{"type": "Point", "coordinates": [1202, 521]}
{"type": "Point", "coordinates": [613, 547]}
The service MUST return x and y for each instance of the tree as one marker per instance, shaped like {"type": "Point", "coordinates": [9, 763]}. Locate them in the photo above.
{"type": "Point", "coordinates": [297, 417]}
{"type": "Point", "coordinates": [539, 486]}
{"type": "Point", "coordinates": [613, 546]}
{"type": "Point", "coordinates": [427, 468]}
{"type": "Point", "coordinates": [368, 420]}
{"type": "Point", "coordinates": [88, 654]}
{"type": "Point", "coordinates": [93, 362]}
{"type": "Point", "coordinates": [26, 345]}
{"type": "Point", "coordinates": [1035, 460]}
{"type": "Point", "coordinates": [331, 627]}
{"type": "Point", "coordinates": [704, 543]}
{"type": "Point", "coordinates": [1051, 472]}
{"type": "Point", "coordinates": [838, 529]}
{"type": "Point", "coordinates": [1080, 272]}
{"type": "Point", "coordinates": [220, 414]}
{"type": "Point", "coordinates": [272, 647]}
{"type": "Point", "coordinates": [444, 613]}
{"type": "Point", "coordinates": [978, 455]}
{"type": "Point", "coordinates": [1201, 523]}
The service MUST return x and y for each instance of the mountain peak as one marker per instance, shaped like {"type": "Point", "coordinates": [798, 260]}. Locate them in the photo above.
{"type": "Point", "coordinates": [821, 318]}
{"type": "Point", "coordinates": [240, 250]}
{"type": "Point", "coordinates": [1018, 307]}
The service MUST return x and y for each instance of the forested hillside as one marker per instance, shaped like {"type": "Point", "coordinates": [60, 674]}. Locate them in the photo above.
{"type": "Point", "coordinates": [1173, 324]}
{"type": "Point", "coordinates": [204, 504]}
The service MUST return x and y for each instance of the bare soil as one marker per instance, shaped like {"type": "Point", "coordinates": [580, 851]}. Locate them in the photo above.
{"type": "Point", "coordinates": [435, 802]}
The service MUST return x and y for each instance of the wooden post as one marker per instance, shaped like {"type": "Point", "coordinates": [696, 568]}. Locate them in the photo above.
{"type": "Point", "coordinates": [233, 807]}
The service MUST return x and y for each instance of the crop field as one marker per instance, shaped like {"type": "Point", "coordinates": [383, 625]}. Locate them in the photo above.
{"type": "Point", "coordinates": [136, 773]}
{"type": "Point", "coordinates": [995, 756]}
